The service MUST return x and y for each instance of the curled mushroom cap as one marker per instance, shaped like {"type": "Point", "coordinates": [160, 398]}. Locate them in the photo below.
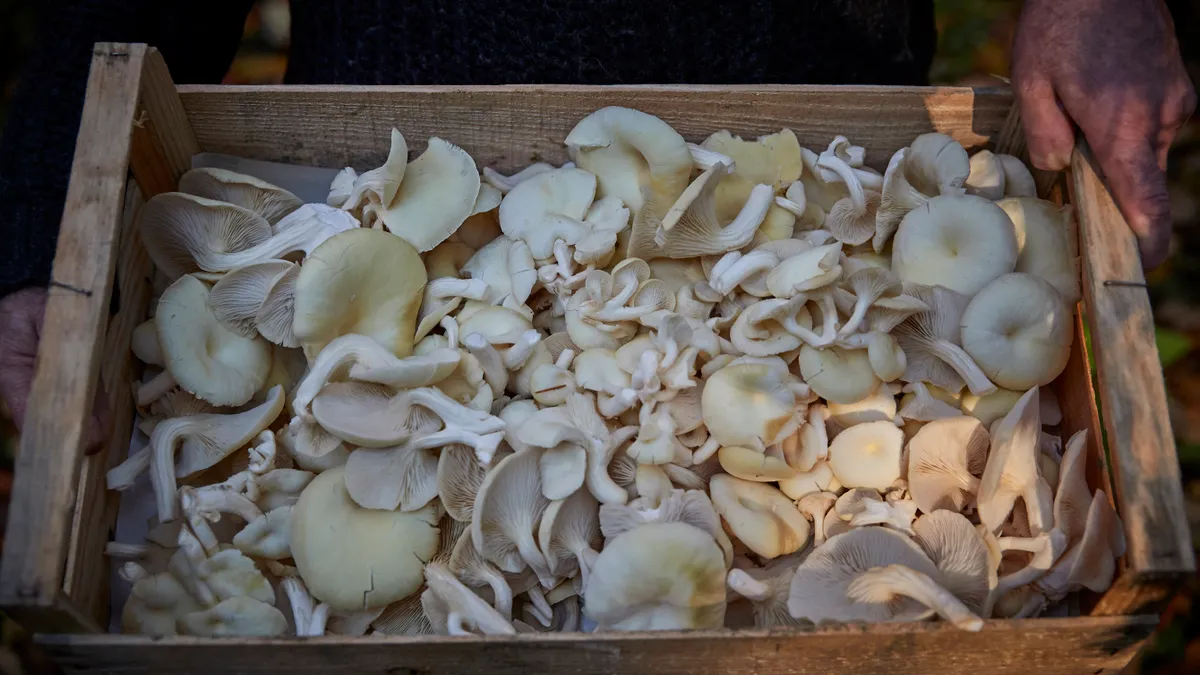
{"type": "Point", "coordinates": [269, 201]}
{"type": "Point", "coordinates": [990, 407]}
{"type": "Point", "coordinates": [930, 341]}
{"type": "Point", "coordinates": [548, 207]}
{"type": "Point", "coordinates": [960, 554]}
{"type": "Point", "coordinates": [753, 465]}
{"type": "Point", "coordinates": [944, 459]}
{"type": "Point", "coordinates": [636, 157]}
{"type": "Point", "coordinates": [354, 558]}
{"type": "Point", "coordinates": [760, 516]}
{"type": "Point", "coordinates": [239, 295]}
{"type": "Point", "coordinates": [508, 505]}
{"type": "Point", "coordinates": [205, 357]}
{"type": "Point", "coordinates": [363, 282]}
{"type": "Point", "coordinates": [436, 195]}
{"type": "Point", "coordinates": [238, 616]}
{"type": "Point", "coordinates": [1047, 242]}
{"type": "Point", "coordinates": [820, 588]}
{"type": "Point", "coordinates": [750, 404]}
{"type": "Point", "coordinates": [867, 455]}
{"type": "Point", "coordinates": [569, 534]}
{"type": "Point", "coordinates": [1012, 470]}
{"type": "Point", "coordinates": [691, 227]}
{"type": "Point", "coordinates": [838, 375]}
{"type": "Point", "coordinates": [176, 226]}
{"type": "Point", "coordinates": [1018, 329]}
{"type": "Point", "coordinates": [659, 576]}
{"type": "Point", "coordinates": [961, 242]}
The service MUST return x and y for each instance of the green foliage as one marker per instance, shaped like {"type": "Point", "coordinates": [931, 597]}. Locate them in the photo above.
{"type": "Point", "coordinates": [1172, 346]}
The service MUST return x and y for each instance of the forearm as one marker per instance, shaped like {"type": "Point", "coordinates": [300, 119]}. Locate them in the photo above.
{"type": "Point", "coordinates": [39, 137]}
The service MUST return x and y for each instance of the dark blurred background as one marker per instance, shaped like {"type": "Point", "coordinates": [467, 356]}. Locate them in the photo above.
{"type": "Point", "coordinates": [973, 49]}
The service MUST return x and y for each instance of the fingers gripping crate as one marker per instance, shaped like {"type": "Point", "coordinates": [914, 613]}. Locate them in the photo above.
{"type": "Point", "coordinates": [55, 575]}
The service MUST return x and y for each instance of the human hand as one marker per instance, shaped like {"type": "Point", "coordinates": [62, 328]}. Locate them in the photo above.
{"type": "Point", "coordinates": [1113, 68]}
{"type": "Point", "coordinates": [21, 315]}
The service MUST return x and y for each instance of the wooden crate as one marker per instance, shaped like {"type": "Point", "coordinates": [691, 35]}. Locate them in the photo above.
{"type": "Point", "coordinates": [55, 576]}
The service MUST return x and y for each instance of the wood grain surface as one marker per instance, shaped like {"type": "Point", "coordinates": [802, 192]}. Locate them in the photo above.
{"type": "Point", "coordinates": [1079, 646]}
{"type": "Point", "coordinates": [67, 370]}
{"type": "Point", "coordinates": [509, 127]}
{"type": "Point", "coordinates": [1140, 441]}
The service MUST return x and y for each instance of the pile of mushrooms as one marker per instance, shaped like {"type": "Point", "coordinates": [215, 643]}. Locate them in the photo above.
{"type": "Point", "coordinates": [663, 386]}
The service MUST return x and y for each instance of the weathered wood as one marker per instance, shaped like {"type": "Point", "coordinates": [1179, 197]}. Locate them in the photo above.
{"type": "Point", "coordinates": [68, 364]}
{"type": "Point", "coordinates": [1141, 445]}
{"type": "Point", "coordinates": [162, 148]}
{"type": "Point", "coordinates": [1079, 646]}
{"type": "Point", "coordinates": [508, 127]}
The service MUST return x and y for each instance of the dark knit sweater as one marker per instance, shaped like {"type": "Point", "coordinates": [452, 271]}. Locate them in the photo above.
{"type": "Point", "coordinates": [438, 42]}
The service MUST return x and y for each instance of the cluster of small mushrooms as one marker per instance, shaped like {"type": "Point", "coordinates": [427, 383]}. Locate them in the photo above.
{"type": "Point", "coordinates": [663, 386]}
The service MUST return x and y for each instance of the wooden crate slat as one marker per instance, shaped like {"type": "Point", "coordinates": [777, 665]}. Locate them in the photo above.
{"type": "Point", "coordinates": [1044, 646]}
{"type": "Point", "coordinates": [1140, 441]}
{"type": "Point", "coordinates": [67, 371]}
{"type": "Point", "coordinates": [509, 127]}
{"type": "Point", "coordinates": [161, 151]}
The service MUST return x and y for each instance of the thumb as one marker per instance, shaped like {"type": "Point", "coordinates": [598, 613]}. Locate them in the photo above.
{"type": "Point", "coordinates": [1139, 187]}
{"type": "Point", "coordinates": [1048, 132]}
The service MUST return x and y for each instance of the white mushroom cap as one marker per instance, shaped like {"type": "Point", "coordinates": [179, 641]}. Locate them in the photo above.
{"type": "Point", "coordinates": [155, 602]}
{"type": "Point", "coordinates": [1047, 242]}
{"type": "Point", "coordinates": [548, 207]}
{"type": "Point", "coordinates": [269, 536]}
{"type": "Point", "coordinates": [934, 164]}
{"type": "Point", "coordinates": [230, 574]}
{"type": "Point", "coordinates": [692, 507]}
{"type": "Point", "coordinates": [660, 576]}
{"type": "Point", "coordinates": [817, 479]}
{"type": "Point", "coordinates": [363, 282]}
{"type": "Point", "coordinates": [878, 407]}
{"type": "Point", "coordinates": [1073, 497]}
{"type": "Point", "coordinates": [753, 465]}
{"type": "Point", "coordinates": [235, 617]}
{"type": "Point", "coordinates": [205, 357]}
{"type": "Point", "coordinates": [750, 404]}
{"type": "Point", "coordinates": [960, 554]}
{"type": "Point", "coordinates": [1019, 330]}
{"type": "Point", "coordinates": [354, 558]}
{"type": "Point", "coordinates": [812, 269]}
{"type": "Point", "coordinates": [1012, 470]}
{"type": "Point", "coordinates": [269, 201]}
{"type": "Point", "coordinates": [867, 455]}
{"type": "Point", "coordinates": [692, 226]}
{"type": "Point", "coordinates": [636, 157]}
{"type": "Point", "coordinates": [760, 516]}
{"type": "Point", "coordinates": [1103, 541]}
{"type": "Point", "coordinates": [960, 242]}
{"type": "Point", "coordinates": [944, 459]}
{"type": "Point", "coordinates": [838, 375]}
{"type": "Point", "coordinates": [820, 588]}
{"type": "Point", "coordinates": [436, 195]}
{"type": "Point", "coordinates": [374, 190]}
{"type": "Point", "coordinates": [987, 176]}
{"type": "Point", "coordinates": [1018, 179]}
{"type": "Point", "coordinates": [990, 407]}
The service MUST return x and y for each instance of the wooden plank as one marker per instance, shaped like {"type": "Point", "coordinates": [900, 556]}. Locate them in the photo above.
{"type": "Point", "coordinates": [162, 149]}
{"type": "Point", "coordinates": [1044, 646]}
{"type": "Point", "coordinates": [68, 364]}
{"type": "Point", "coordinates": [508, 127]}
{"type": "Point", "coordinates": [1141, 445]}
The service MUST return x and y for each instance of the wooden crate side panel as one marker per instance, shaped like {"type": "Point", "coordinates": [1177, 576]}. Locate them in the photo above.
{"type": "Point", "coordinates": [161, 151]}
{"type": "Point", "coordinates": [510, 127]}
{"type": "Point", "coordinates": [1045, 646]}
{"type": "Point", "coordinates": [1140, 441]}
{"type": "Point", "coordinates": [68, 364]}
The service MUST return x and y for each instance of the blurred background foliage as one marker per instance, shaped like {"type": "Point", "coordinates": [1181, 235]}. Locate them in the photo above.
{"type": "Point", "coordinates": [973, 49]}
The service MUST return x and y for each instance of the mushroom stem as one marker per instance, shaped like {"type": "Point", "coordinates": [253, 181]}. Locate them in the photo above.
{"type": "Point", "coordinates": [450, 325]}
{"type": "Point", "coordinates": [848, 176]}
{"type": "Point", "coordinates": [124, 475]}
{"type": "Point", "coordinates": [706, 451]}
{"type": "Point", "coordinates": [450, 287]}
{"type": "Point", "coordinates": [543, 611]}
{"type": "Point", "coordinates": [705, 159]}
{"type": "Point", "coordinates": [197, 521]}
{"type": "Point", "coordinates": [612, 405]}
{"type": "Point", "coordinates": [456, 624]}
{"type": "Point", "coordinates": [494, 371]}
{"type": "Point", "coordinates": [747, 586]}
{"type": "Point", "coordinates": [501, 590]}
{"type": "Point", "coordinates": [964, 365]}
{"type": "Point", "coordinates": [262, 454]}
{"type": "Point", "coordinates": [881, 584]}
{"type": "Point", "coordinates": [155, 388]}
{"type": "Point", "coordinates": [522, 348]}
{"type": "Point", "coordinates": [505, 183]}
{"type": "Point", "coordinates": [599, 455]}
{"type": "Point", "coordinates": [121, 551]}
{"type": "Point", "coordinates": [790, 206]}
{"type": "Point", "coordinates": [742, 268]}
{"type": "Point", "coordinates": [193, 555]}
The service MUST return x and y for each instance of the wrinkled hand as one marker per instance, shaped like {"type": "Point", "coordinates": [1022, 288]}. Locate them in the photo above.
{"type": "Point", "coordinates": [1114, 67]}
{"type": "Point", "coordinates": [21, 316]}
